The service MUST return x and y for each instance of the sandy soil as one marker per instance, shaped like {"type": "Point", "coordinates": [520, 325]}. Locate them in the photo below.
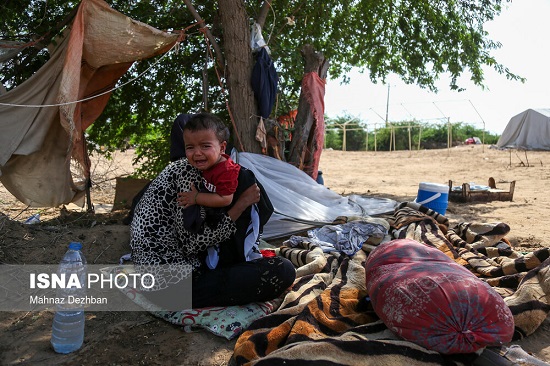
{"type": "Point", "coordinates": [133, 338]}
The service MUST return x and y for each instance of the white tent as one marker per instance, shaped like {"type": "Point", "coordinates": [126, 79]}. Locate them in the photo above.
{"type": "Point", "coordinates": [529, 130]}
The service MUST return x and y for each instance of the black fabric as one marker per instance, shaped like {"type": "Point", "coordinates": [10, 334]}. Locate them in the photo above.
{"type": "Point", "coordinates": [193, 218]}
{"type": "Point", "coordinates": [196, 216]}
{"type": "Point", "coordinates": [264, 82]}
{"type": "Point", "coordinates": [177, 145]}
{"type": "Point", "coordinates": [232, 250]}
{"type": "Point", "coordinates": [242, 283]}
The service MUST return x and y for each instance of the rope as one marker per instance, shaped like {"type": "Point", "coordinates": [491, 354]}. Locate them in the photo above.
{"type": "Point", "coordinates": [14, 44]}
{"type": "Point", "coordinates": [273, 25]}
{"type": "Point", "coordinates": [100, 94]}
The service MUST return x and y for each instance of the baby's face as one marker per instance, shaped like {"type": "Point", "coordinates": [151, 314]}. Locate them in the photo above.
{"type": "Point", "coordinates": [202, 148]}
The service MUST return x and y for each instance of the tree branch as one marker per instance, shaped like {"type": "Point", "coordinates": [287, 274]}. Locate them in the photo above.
{"type": "Point", "coordinates": [209, 35]}
{"type": "Point", "coordinates": [263, 13]}
{"type": "Point", "coordinates": [47, 38]}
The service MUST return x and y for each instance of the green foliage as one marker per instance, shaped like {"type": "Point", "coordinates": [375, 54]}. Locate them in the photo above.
{"type": "Point", "coordinates": [417, 39]}
{"type": "Point", "coordinates": [432, 136]}
{"type": "Point", "coordinates": [334, 137]}
{"type": "Point", "coordinates": [333, 140]}
{"type": "Point", "coordinates": [435, 134]}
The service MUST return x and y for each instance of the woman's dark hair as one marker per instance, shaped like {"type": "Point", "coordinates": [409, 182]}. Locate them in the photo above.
{"type": "Point", "coordinates": [208, 121]}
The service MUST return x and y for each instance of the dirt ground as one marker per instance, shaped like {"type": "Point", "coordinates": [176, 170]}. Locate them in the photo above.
{"type": "Point", "coordinates": [138, 338]}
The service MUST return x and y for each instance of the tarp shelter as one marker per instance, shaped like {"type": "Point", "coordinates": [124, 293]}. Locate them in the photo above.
{"type": "Point", "coordinates": [301, 203]}
{"type": "Point", "coordinates": [43, 157]}
{"type": "Point", "coordinates": [529, 130]}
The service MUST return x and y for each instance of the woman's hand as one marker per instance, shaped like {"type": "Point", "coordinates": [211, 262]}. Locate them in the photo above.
{"type": "Point", "coordinates": [249, 197]}
{"type": "Point", "coordinates": [187, 199]}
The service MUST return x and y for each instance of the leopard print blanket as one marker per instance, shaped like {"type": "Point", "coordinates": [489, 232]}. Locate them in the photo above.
{"type": "Point", "coordinates": [324, 317]}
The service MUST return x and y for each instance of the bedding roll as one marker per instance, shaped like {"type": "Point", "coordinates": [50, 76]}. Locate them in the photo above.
{"type": "Point", "coordinates": [426, 298]}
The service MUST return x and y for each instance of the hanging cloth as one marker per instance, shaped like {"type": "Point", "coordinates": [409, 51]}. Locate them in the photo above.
{"type": "Point", "coordinates": [256, 39]}
{"type": "Point", "coordinates": [43, 157]}
{"type": "Point", "coordinates": [261, 134]}
{"type": "Point", "coordinates": [313, 86]}
{"type": "Point", "coordinates": [264, 82]}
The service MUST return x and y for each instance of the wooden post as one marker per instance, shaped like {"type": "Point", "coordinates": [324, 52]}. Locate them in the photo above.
{"type": "Point", "coordinates": [375, 147]}
{"type": "Point", "coordinates": [89, 204]}
{"type": "Point", "coordinates": [448, 136]}
{"type": "Point", "coordinates": [344, 146]}
{"type": "Point", "coordinates": [419, 137]}
{"type": "Point", "coordinates": [394, 138]}
{"type": "Point", "coordinates": [410, 142]}
{"type": "Point", "coordinates": [391, 136]}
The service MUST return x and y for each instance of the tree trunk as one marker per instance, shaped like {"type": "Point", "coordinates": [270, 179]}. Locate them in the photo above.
{"type": "Point", "coordinates": [305, 146]}
{"type": "Point", "coordinates": [239, 61]}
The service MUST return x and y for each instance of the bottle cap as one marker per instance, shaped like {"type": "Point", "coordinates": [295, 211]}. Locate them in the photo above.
{"type": "Point", "coordinates": [75, 245]}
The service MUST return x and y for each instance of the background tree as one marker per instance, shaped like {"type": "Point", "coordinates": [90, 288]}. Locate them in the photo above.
{"type": "Point", "coordinates": [416, 39]}
{"type": "Point", "coordinates": [346, 130]}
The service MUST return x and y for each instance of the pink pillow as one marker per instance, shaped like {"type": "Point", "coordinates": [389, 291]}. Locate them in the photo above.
{"type": "Point", "coordinates": [426, 298]}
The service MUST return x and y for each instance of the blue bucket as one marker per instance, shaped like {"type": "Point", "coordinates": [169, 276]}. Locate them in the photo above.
{"type": "Point", "coordinates": [434, 196]}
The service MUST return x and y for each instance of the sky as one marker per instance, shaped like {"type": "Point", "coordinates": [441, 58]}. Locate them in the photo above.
{"type": "Point", "coordinates": [521, 28]}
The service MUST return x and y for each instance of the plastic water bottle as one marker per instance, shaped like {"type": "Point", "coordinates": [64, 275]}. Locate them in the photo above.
{"type": "Point", "coordinates": [320, 179]}
{"type": "Point", "coordinates": [34, 219]}
{"type": "Point", "coordinates": [68, 321]}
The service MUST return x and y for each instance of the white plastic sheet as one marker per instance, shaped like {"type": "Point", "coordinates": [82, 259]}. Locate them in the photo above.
{"type": "Point", "coordinates": [300, 202]}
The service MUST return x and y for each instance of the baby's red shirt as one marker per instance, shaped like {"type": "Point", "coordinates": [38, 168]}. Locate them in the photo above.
{"type": "Point", "coordinates": [224, 176]}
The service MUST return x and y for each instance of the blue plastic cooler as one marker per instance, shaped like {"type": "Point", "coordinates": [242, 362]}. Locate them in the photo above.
{"type": "Point", "coordinates": [434, 196]}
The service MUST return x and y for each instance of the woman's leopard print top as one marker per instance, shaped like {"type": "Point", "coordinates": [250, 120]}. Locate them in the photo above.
{"type": "Point", "coordinates": [160, 244]}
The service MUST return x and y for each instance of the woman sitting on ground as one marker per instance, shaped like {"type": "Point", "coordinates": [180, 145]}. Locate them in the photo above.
{"type": "Point", "coordinates": [175, 256]}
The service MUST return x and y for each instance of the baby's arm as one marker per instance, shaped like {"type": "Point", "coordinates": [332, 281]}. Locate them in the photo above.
{"type": "Point", "coordinates": [213, 200]}
{"type": "Point", "coordinates": [193, 197]}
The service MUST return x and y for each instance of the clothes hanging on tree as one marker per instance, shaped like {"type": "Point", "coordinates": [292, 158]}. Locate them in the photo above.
{"type": "Point", "coordinates": [264, 82]}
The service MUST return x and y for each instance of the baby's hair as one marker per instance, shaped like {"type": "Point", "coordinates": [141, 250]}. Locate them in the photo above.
{"type": "Point", "coordinates": [208, 121]}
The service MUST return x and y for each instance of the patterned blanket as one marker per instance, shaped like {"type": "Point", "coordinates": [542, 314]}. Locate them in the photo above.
{"type": "Point", "coordinates": [326, 316]}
